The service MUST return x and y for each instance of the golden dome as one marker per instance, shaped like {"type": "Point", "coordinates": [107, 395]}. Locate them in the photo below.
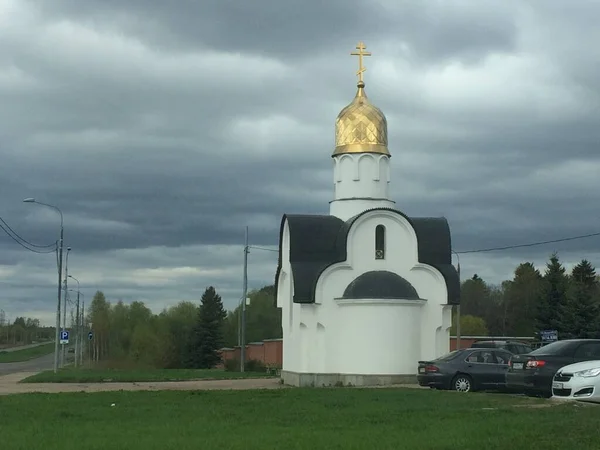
{"type": "Point", "coordinates": [361, 127]}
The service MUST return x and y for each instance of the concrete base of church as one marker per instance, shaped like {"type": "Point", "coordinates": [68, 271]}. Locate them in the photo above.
{"type": "Point", "coordinates": [341, 379]}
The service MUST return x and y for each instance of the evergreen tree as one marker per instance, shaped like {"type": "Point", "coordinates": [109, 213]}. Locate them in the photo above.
{"type": "Point", "coordinates": [207, 335]}
{"type": "Point", "coordinates": [553, 312]}
{"type": "Point", "coordinates": [584, 311]}
{"type": "Point", "coordinates": [521, 297]}
{"type": "Point", "coordinates": [474, 294]}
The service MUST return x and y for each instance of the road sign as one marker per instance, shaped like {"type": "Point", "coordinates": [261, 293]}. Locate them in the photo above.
{"type": "Point", "coordinates": [549, 335]}
{"type": "Point", "coordinates": [90, 335]}
{"type": "Point", "coordinates": [64, 337]}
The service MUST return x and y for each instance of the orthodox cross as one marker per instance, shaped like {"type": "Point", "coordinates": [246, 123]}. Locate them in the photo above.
{"type": "Point", "coordinates": [360, 53]}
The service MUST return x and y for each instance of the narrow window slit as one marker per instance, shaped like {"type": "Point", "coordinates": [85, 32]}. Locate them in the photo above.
{"type": "Point", "coordinates": [380, 242]}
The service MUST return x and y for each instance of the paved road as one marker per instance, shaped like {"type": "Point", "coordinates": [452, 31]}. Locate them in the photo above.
{"type": "Point", "coordinates": [33, 365]}
{"type": "Point", "coordinates": [23, 347]}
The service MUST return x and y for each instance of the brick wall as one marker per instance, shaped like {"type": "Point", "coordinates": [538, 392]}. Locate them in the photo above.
{"type": "Point", "coordinates": [270, 351]}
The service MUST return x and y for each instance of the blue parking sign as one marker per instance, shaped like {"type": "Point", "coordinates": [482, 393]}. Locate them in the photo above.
{"type": "Point", "coordinates": [64, 337]}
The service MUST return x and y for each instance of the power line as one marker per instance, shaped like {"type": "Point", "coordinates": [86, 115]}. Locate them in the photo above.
{"type": "Point", "coordinates": [23, 239]}
{"type": "Point", "coordinates": [531, 244]}
{"type": "Point", "coordinates": [263, 248]}
{"type": "Point", "coordinates": [24, 243]}
{"type": "Point", "coordinates": [491, 249]}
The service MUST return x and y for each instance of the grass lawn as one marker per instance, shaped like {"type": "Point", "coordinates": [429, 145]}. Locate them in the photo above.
{"type": "Point", "coordinates": [26, 354]}
{"type": "Point", "coordinates": [335, 418]}
{"type": "Point", "coordinates": [72, 375]}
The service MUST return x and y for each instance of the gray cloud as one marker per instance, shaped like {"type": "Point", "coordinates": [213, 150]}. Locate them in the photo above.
{"type": "Point", "coordinates": [162, 130]}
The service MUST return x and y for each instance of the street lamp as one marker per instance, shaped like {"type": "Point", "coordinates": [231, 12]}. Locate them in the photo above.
{"type": "Point", "coordinates": [77, 327]}
{"type": "Point", "coordinates": [60, 259]}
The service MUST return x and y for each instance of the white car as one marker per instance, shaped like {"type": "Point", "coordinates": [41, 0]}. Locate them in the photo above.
{"type": "Point", "coordinates": [580, 381]}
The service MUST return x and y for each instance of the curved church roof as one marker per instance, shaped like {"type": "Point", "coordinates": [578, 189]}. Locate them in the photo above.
{"type": "Point", "coordinates": [381, 284]}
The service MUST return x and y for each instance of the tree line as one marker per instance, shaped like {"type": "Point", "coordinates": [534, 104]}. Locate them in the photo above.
{"type": "Point", "coordinates": [534, 301]}
{"type": "Point", "coordinates": [185, 335]}
{"type": "Point", "coordinates": [22, 331]}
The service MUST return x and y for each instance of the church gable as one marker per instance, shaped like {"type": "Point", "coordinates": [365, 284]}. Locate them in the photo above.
{"type": "Point", "coordinates": [319, 241]}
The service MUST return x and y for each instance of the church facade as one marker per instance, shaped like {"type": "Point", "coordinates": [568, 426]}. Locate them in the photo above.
{"type": "Point", "coordinates": [366, 291]}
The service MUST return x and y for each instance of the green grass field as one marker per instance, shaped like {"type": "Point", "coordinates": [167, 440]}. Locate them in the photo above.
{"type": "Point", "coordinates": [26, 354]}
{"type": "Point", "coordinates": [72, 375]}
{"type": "Point", "coordinates": [335, 418]}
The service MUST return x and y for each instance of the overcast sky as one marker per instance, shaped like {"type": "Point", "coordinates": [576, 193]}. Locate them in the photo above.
{"type": "Point", "coordinates": [161, 129]}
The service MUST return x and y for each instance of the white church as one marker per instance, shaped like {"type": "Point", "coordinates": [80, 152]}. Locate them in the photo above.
{"type": "Point", "coordinates": [365, 291]}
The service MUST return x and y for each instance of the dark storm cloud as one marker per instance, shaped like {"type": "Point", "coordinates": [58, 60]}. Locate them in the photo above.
{"type": "Point", "coordinates": [160, 151]}
{"type": "Point", "coordinates": [297, 29]}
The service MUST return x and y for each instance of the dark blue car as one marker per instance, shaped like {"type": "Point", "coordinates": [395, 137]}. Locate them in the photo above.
{"type": "Point", "coordinates": [465, 370]}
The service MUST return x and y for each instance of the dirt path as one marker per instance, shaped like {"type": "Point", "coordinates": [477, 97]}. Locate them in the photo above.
{"type": "Point", "coordinates": [9, 384]}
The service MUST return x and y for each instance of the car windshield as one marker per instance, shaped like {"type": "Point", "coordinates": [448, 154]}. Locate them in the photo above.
{"type": "Point", "coordinates": [556, 348]}
{"type": "Point", "coordinates": [448, 356]}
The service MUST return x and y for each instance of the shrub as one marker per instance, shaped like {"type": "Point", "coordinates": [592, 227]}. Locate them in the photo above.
{"type": "Point", "coordinates": [231, 365]}
{"type": "Point", "coordinates": [254, 365]}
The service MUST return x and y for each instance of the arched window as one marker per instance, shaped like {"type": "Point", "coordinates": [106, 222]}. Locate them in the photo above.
{"type": "Point", "coordinates": [380, 242]}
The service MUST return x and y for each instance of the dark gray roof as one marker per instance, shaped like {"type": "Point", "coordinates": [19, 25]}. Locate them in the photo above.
{"type": "Point", "coordinates": [380, 284]}
{"type": "Point", "coordinates": [317, 242]}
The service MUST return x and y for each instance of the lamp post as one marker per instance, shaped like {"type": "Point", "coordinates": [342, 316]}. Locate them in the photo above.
{"type": "Point", "coordinates": [77, 327]}
{"type": "Point", "coordinates": [60, 259]}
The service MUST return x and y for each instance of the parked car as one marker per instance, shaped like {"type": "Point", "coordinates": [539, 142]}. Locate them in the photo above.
{"type": "Point", "coordinates": [515, 347]}
{"type": "Point", "coordinates": [465, 370]}
{"type": "Point", "coordinates": [579, 381]}
{"type": "Point", "coordinates": [532, 374]}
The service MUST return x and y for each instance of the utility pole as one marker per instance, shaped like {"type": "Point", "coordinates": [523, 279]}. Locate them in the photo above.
{"type": "Point", "coordinates": [60, 260]}
{"type": "Point", "coordinates": [62, 357]}
{"type": "Point", "coordinates": [82, 329]}
{"type": "Point", "coordinates": [239, 326]}
{"type": "Point", "coordinates": [245, 293]}
{"type": "Point", "coordinates": [458, 306]}
{"type": "Point", "coordinates": [57, 333]}
{"type": "Point", "coordinates": [77, 329]}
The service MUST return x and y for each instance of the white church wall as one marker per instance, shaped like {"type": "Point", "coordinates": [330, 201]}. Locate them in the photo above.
{"type": "Point", "coordinates": [376, 336]}
{"type": "Point", "coordinates": [382, 327]}
{"type": "Point", "coordinates": [430, 284]}
{"type": "Point", "coordinates": [285, 294]}
{"type": "Point", "coordinates": [361, 181]}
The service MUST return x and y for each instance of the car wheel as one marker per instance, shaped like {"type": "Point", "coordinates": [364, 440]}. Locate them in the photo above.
{"type": "Point", "coordinates": [462, 383]}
